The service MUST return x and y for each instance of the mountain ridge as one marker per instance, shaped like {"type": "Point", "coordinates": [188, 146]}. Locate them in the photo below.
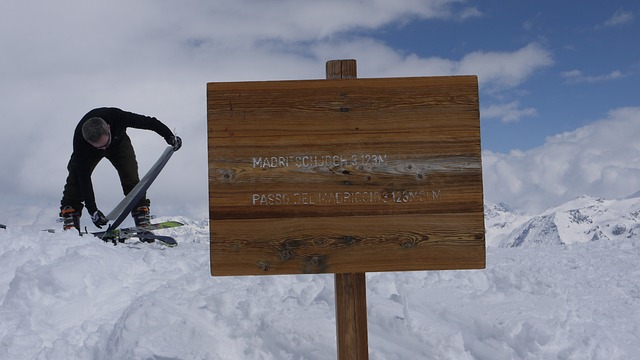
{"type": "Point", "coordinates": [580, 220]}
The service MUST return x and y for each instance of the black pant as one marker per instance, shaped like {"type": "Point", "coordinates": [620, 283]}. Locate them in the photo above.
{"type": "Point", "coordinates": [122, 157]}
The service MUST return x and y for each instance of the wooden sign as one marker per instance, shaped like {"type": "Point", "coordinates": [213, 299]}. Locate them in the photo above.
{"type": "Point", "coordinates": [345, 176]}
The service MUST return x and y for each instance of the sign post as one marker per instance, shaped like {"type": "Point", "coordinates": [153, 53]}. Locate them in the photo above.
{"type": "Point", "coordinates": [345, 176]}
{"type": "Point", "coordinates": [350, 288]}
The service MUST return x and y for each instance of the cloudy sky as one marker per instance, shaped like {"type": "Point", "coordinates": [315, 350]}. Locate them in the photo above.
{"type": "Point", "coordinates": [560, 110]}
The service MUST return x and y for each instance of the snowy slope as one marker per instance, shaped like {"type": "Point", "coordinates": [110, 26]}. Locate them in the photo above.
{"type": "Point", "coordinates": [69, 297]}
{"type": "Point", "coordinates": [580, 220]}
{"type": "Point", "coordinates": [500, 220]}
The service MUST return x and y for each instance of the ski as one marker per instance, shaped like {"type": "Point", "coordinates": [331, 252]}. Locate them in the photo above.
{"type": "Point", "coordinates": [166, 240]}
{"type": "Point", "coordinates": [143, 233]}
{"type": "Point", "coordinates": [120, 212]}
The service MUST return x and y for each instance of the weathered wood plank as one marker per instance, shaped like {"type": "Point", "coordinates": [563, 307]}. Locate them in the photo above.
{"type": "Point", "coordinates": [369, 159]}
{"type": "Point", "coordinates": [344, 245]}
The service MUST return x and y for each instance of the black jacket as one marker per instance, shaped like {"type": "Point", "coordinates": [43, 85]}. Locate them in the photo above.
{"type": "Point", "coordinates": [119, 121]}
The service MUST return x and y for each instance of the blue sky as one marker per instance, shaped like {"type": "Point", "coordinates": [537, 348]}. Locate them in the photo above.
{"type": "Point", "coordinates": [551, 73]}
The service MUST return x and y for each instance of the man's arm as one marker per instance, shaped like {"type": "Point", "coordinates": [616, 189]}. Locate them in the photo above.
{"type": "Point", "coordinates": [151, 123]}
{"type": "Point", "coordinates": [146, 123]}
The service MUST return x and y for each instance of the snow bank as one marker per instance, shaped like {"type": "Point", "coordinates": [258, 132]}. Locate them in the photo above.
{"type": "Point", "coordinates": [69, 297]}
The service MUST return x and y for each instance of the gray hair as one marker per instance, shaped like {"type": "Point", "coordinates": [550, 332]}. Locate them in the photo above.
{"type": "Point", "coordinates": [94, 128]}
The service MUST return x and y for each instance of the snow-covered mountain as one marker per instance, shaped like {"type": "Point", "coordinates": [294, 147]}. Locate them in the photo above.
{"type": "Point", "coordinates": [580, 220]}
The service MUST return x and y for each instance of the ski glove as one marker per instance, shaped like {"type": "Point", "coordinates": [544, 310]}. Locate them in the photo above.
{"type": "Point", "coordinates": [174, 141]}
{"type": "Point", "coordinates": [99, 219]}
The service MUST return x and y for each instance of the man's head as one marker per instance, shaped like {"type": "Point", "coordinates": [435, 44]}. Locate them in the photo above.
{"type": "Point", "coordinates": [97, 132]}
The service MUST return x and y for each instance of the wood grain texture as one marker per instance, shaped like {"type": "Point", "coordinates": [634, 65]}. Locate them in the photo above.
{"type": "Point", "coordinates": [372, 161]}
{"type": "Point", "coordinates": [347, 244]}
{"type": "Point", "coordinates": [351, 319]}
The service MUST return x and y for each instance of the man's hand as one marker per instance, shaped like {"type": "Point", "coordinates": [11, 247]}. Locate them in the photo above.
{"type": "Point", "coordinates": [99, 219]}
{"type": "Point", "coordinates": [174, 141]}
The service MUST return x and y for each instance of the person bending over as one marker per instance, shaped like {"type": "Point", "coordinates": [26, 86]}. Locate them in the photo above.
{"type": "Point", "coordinates": [102, 133]}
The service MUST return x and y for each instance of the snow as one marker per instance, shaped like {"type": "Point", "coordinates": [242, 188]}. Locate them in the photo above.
{"type": "Point", "coordinates": [69, 297]}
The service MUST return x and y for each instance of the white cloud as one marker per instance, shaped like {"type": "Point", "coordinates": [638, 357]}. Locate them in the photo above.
{"type": "Point", "coordinates": [495, 70]}
{"type": "Point", "coordinates": [470, 12]}
{"type": "Point", "coordinates": [506, 69]}
{"type": "Point", "coordinates": [600, 159]}
{"type": "Point", "coordinates": [577, 76]}
{"type": "Point", "coordinates": [619, 18]}
{"type": "Point", "coordinates": [509, 112]}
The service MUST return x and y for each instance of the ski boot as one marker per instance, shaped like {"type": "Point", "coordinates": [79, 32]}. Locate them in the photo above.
{"type": "Point", "coordinates": [70, 218]}
{"type": "Point", "coordinates": [141, 216]}
{"type": "Point", "coordinates": [142, 219]}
